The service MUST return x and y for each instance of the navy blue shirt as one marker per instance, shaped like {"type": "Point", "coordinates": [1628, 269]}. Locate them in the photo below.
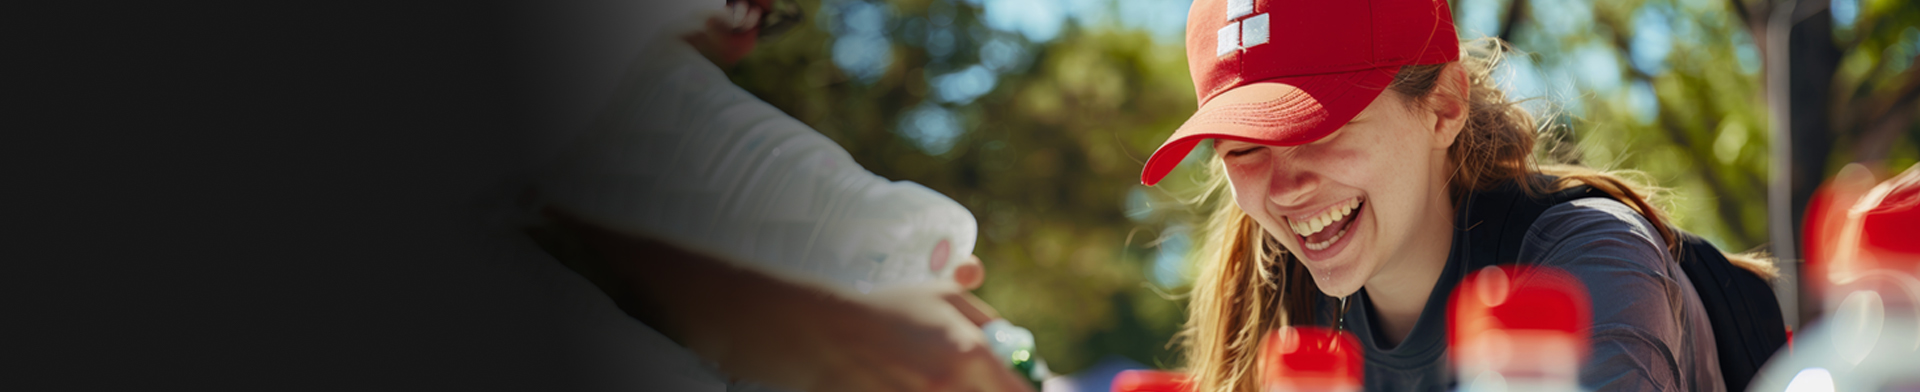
{"type": "Point", "coordinates": [1649, 331]}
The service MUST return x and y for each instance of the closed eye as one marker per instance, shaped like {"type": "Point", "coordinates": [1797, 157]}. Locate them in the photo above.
{"type": "Point", "coordinates": [1243, 151]}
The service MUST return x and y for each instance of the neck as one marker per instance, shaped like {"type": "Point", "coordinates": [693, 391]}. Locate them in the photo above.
{"type": "Point", "coordinates": [1399, 292]}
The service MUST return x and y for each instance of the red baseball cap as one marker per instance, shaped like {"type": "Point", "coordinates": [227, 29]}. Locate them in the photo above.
{"type": "Point", "coordinates": [1288, 72]}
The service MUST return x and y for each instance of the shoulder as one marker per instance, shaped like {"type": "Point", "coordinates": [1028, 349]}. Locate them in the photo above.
{"type": "Point", "coordinates": [1596, 226]}
{"type": "Point", "coordinates": [1637, 293]}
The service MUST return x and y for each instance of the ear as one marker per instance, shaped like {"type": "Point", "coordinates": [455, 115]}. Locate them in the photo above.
{"type": "Point", "coordinates": [1448, 106]}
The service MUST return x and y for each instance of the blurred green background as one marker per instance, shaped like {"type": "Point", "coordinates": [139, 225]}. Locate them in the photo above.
{"type": "Point", "coordinates": [1038, 114]}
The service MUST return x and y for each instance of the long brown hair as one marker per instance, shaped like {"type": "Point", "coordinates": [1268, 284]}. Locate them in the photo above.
{"type": "Point", "coordinates": [1248, 284]}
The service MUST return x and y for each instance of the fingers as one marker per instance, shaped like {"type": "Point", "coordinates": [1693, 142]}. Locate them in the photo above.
{"type": "Point", "coordinates": [970, 273]}
{"type": "Point", "coordinates": [743, 16]}
{"type": "Point", "coordinates": [973, 308]}
{"type": "Point", "coordinates": [728, 35]}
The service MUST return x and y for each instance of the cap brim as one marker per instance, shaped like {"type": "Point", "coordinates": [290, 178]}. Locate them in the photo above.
{"type": "Point", "coordinates": [1286, 111]}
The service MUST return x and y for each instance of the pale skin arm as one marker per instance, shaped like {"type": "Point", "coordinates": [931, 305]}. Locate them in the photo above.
{"type": "Point", "coordinates": [728, 36]}
{"type": "Point", "coordinates": [786, 333]}
{"type": "Point", "coordinates": [796, 335]}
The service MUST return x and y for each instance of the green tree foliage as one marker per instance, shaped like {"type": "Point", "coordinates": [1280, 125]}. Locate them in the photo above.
{"type": "Point", "coordinates": [1674, 88]}
{"type": "Point", "coordinates": [1045, 160]}
{"type": "Point", "coordinates": [1041, 130]}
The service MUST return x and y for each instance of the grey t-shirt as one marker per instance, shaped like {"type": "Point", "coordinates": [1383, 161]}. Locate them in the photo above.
{"type": "Point", "coordinates": [1649, 330]}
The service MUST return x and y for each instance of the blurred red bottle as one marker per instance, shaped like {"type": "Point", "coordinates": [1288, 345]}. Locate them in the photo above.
{"type": "Point", "coordinates": [1150, 381]}
{"type": "Point", "coordinates": [1520, 328]}
{"type": "Point", "coordinates": [1863, 258]}
{"type": "Point", "coordinates": [1310, 359]}
{"type": "Point", "coordinates": [1302, 359]}
{"type": "Point", "coordinates": [1863, 236]}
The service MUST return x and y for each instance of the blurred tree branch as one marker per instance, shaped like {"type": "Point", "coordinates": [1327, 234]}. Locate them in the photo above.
{"type": "Point", "coordinates": [1728, 208]}
{"type": "Point", "coordinates": [1516, 11]}
{"type": "Point", "coordinates": [1750, 17]}
{"type": "Point", "coordinates": [1876, 140]}
{"type": "Point", "coordinates": [1698, 154]}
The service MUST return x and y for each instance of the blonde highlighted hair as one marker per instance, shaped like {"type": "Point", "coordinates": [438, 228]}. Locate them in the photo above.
{"type": "Point", "coordinates": [1248, 284]}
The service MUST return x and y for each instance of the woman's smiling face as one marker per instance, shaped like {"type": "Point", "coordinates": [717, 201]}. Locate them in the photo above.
{"type": "Point", "coordinates": [1356, 202]}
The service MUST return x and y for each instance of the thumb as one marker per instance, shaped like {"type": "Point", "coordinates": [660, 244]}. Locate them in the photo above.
{"type": "Point", "coordinates": [970, 273]}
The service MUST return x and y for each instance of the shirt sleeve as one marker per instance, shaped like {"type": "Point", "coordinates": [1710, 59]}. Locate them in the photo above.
{"type": "Point", "coordinates": [1621, 258]}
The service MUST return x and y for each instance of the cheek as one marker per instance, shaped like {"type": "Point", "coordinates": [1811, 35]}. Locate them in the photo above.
{"type": "Point", "coordinates": [1401, 183]}
{"type": "Point", "coordinates": [1247, 179]}
{"type": "Point", "coordinates": [1248, 183]}
{"type": "Point", "coordinates": [1247, 188]}
{"type": "Point", "coordinates": [1409, 142]}
{"type": "Point", "coordinates": [1359, 162]}
{"type": "Point", "coordinates": [1385, 156]}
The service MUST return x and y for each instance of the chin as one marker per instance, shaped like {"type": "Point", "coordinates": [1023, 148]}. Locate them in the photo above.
{"type": "Point", "coordinates": [1338, 283]}
{"type": "Point", "coordinates": [1339, 291]}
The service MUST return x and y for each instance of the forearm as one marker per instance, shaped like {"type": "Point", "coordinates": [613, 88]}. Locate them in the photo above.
{"type": "Point", "coordinates": [789, 332]}
{"type": "Point", "coordinates": [698, 300]}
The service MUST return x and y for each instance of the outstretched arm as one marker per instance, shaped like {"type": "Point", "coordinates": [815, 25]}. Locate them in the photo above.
{"type": "Point", "coordinates": [793, 334]}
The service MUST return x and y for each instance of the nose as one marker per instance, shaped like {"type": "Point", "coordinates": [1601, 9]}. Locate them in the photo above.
{"type": "Point", "coordinates": [1291, 184]}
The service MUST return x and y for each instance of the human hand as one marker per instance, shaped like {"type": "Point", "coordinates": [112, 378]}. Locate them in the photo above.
{"type": "Point", "coordinates": [912, 338]}
{"type": "Point", "coordinates": [970, 274]}
{"type": "Point", "coordinates": [729, 35]}
{"type": "Point", "coordinates": [786, 332]}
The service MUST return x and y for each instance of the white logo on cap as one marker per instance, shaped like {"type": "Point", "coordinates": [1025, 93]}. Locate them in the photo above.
{"type": "Point", "coordinates": [1240, 34]}
{"type": "Point", "coordinates": [1227, 39]}
{"type": "Point", "coordinates": [1239, 8]}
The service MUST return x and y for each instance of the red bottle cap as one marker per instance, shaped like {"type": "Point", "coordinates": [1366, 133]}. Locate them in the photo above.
{"type": "Point", "coordinates": [1150, 381]}
{"type": "Point", "coordinates": [1519, 320]}
{"type": "Point", "coordinates": [1310, 359]}
{"type": "Point", "coordinates": [1853, 231]}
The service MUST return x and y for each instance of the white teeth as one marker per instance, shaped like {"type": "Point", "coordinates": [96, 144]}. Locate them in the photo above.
{"type": "Point", "coordinates": [1328, 242]}
{"type": "Point", "coordinates": [1309, 226]}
